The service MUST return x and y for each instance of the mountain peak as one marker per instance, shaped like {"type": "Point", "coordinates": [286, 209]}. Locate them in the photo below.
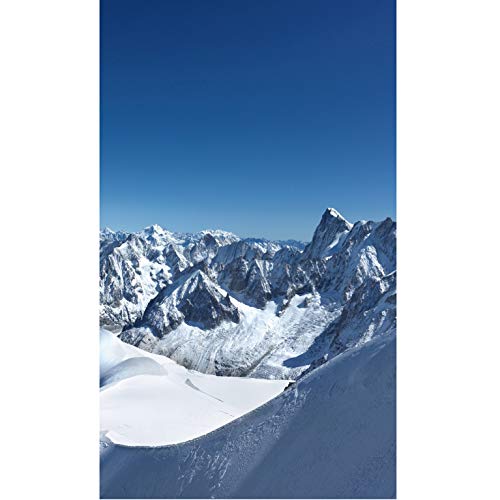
{"type": "Point", "coordinates": [154, 228]}
{"type": "Point", "coordinates": [217, 232]}
{"type": "Point", "coordinates": [335, 214]}
{"type": "Point", "coordinates": [333, 220]}
{"type": "Point", "coordinates": [327, 235]}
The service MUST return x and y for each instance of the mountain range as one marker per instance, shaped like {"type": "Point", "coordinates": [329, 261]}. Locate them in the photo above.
{"type": "Point", "coordinates": [224, 305]}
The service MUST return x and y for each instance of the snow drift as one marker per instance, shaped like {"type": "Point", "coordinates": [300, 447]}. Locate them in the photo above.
{"type": "Point", "coordinates": [147, 399]}
{"type": "Point", "coordinates": [332, 435]}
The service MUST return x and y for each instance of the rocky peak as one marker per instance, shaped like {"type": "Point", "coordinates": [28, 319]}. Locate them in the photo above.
{"type": "Point", "coordinates": [327, 235]}
{"type": "Point", "coordinates": [195, 300]}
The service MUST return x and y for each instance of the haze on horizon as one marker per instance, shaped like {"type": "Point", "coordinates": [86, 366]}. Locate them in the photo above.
{"type": "Point", "coordinates": [248, 117]}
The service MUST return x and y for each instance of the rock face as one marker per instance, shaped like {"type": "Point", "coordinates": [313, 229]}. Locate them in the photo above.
{"type": "Point", "coordinates": [195, 300]}
{"type": "Point", "coordinates": [225, 305]}
{"type": "Point", "coordinates": [132, 273]}
{"type": "Point", "coordinates": [330, 230]}
{"type": "Point", "coordinates": [134, 268]}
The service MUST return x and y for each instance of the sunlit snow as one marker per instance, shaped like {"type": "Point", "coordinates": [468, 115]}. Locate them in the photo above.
{"type": "Point", "coordinates": [150, 400]}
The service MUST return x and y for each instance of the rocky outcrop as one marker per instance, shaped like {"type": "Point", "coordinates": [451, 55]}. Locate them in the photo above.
{"type": "Point", "coordinates": [195, 300]}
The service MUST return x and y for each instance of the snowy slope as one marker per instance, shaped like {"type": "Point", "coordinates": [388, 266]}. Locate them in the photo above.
{"type": "Point", "coordinates": [259, 345]}
{"type": "Point", "coordinates": [332, 435]}
{"type": "Point", "coordinates": [147, 399]}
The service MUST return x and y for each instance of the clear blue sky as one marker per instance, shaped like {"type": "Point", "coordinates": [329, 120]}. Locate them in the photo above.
{"type": "Point", "coordinates": [247, 115]}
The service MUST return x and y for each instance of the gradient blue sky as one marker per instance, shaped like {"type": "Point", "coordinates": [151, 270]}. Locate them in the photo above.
{"type": "Point", "coordinates": [247, 115]}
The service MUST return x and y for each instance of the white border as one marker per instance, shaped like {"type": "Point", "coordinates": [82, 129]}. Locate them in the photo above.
{"type": "Point", "coordinates": [448, 342]}
{"type": "Point", "coordinates": [49, 114]}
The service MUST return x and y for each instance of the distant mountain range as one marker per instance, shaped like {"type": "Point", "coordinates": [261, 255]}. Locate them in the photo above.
{"type": "Point", "coordinates": [226, 305]}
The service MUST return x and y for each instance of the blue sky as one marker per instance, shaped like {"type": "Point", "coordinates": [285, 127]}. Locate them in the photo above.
{"type": "Point", "coordinates": [250, 116]}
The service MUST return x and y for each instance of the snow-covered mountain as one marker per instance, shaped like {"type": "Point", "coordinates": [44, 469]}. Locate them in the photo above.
{"type": "Point", "coordinates": [135, 267]}
{"type": "Point", "coordinates": [223, 305]}
{"type": "Point", "coordinates": [257, 313]}
{"type": "Point", "coordinates": [330, 435]}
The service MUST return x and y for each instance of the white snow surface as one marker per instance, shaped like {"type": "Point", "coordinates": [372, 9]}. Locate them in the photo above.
{"type": "Point", "coordinates": [149, 400]}
{"type": "Point", "coordinates": [331, 435]}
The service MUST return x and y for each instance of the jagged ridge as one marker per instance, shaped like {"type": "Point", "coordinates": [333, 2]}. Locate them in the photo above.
{"type": "Point", "coordinates": [225, 305]}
